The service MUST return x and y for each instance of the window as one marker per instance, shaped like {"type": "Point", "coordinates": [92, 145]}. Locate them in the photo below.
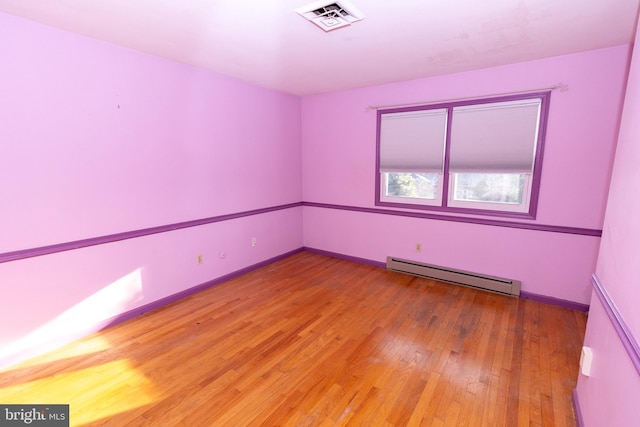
{"type": "Point", "coordinates": [480, 156]}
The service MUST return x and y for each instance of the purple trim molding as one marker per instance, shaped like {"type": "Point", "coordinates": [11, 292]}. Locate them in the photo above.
{"type": "Point", "coordinates": [93, 241]}
{"type": "Point", "coordinates": [624, 333]}
{"type": "Point", "coordinates": [346, 257]}
{"type": "Point", "coordinates": [78, 244]}
{"type": "Point", "coordinates": [481, 221]}
{"type": "Point", "coordinates": [523, 295]}
{"type": "Point", "coordinates": [571, 305]}
{"type": "Point", "coordinates": [195, 289]}
{"type": "Point", "coordinates": [577, 411]}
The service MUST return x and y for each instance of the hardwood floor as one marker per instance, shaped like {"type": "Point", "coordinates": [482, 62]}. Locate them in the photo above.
{"type": "Point", "coordinates": [317, 341]}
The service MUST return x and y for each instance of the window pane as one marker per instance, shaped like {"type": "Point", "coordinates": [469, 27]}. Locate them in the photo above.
{"type": "Point", "coordinates": [506, 188]}
{"type": "Point", "coordinates": [415, 185]}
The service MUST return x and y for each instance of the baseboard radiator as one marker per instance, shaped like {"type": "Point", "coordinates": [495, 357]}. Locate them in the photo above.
{"type": "Point", "coordinates": [459, 277]}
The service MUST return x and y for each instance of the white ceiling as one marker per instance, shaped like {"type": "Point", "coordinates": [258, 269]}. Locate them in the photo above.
{"type": "Point", "coordinates": [266, 42]}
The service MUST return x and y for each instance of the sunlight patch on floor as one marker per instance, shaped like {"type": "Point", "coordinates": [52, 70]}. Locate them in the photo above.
{"type": "Point", "coordinates": [93, 393]}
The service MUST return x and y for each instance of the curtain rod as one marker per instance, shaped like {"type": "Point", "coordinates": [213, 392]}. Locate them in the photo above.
{"type": "Point", "coordinates": [562, 87]}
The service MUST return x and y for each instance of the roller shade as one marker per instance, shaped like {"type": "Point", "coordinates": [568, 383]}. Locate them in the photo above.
{"type": "Point", "coordinates": [498, 137]}
{"type": "Point", "coordinates": [412, 141]}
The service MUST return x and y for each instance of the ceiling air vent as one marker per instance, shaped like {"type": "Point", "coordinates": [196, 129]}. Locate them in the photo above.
{"type": "Point", "coordinates": [330, 15]}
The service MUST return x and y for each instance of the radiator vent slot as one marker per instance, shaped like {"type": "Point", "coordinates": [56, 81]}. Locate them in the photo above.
{"type": "Point", "coordinates": [459, 277]}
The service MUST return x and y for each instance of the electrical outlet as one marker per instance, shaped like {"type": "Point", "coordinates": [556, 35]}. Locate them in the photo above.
{"type": "Point", "coordinates": [586, 360]}
{"type": "Point", "coordinates": [418, 247]}
{"type": "Point", "coordinates": [254, 241]}
{"type": "Point", "coordinates": [200, 259]}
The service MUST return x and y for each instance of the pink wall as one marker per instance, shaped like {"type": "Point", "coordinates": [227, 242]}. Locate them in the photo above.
{"type": "Point", "coordinates": [497, 251]}
{"type": "Point", "coordinates": [610, 395]}
{"type": "Point", "coordinates": [619, 258]}
{"type": "Point", "coordinates": [338, 158]}
{"type": "Point", "coordinates": [98, 139]}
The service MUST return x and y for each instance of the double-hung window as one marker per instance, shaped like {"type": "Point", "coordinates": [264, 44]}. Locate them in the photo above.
{"type": "Point", "coordinates": [473, 156]}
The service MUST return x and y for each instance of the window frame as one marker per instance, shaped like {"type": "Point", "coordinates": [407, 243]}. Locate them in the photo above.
{"type": "Point", "coordinates": [446, 176]}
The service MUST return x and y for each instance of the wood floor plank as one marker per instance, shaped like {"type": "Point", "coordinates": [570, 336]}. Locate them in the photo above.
{"type": "Point", "coordinates": [317, 341]}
